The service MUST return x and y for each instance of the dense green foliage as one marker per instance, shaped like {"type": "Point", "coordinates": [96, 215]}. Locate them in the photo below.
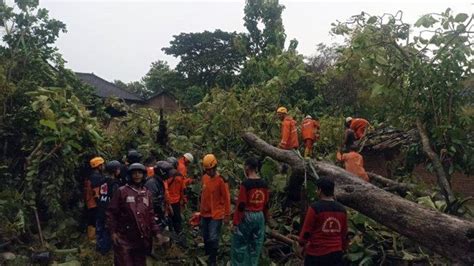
{"type": "Point", "coordinates": [229, 83]}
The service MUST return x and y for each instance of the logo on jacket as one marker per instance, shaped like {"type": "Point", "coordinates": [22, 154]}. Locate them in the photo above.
{"type": "Point", "coordinates": [257, 197]}
{"type": "Point", "coordinates": [331, 225]}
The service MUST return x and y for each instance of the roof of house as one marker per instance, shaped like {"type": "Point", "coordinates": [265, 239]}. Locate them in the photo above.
{"type": "Point", "coordinates": [105, 89]}
{"type": "Point", "coordinates": [161, 93]}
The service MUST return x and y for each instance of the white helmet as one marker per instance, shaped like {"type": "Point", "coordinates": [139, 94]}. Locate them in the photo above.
{"type": "Point", "coordinates": [189, 157]}
{"type": "Point", "coordinates": [309, 117]}
{"type": "Point", "coordinates": [348, 119]}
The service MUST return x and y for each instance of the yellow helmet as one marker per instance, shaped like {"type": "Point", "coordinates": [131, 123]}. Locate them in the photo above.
{"type": "Point", "coordinates": [282, 110]}
{"type": "Point", "coordinates": [209, 161]}
{"type": "Point", "coordinates": [96, 162]}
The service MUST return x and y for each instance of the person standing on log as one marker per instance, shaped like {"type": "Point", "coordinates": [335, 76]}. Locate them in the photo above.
{"type": "Point", "coordinates": [310, 133]}
{"type": "Point", "coordinates": [215, 206]}
{"type": "Point", "coordinates": [289, 134]}
{"type": "Point", "coordinates": [358, 125]}
{"type": "Point", "coordinates": [131, 220]}
{"type": "Point", "coordinates": [250, 217]}
{"type": "Point", "coordinates": [353, 162]}
{"type": "Point", "coordinates": [324, 233]}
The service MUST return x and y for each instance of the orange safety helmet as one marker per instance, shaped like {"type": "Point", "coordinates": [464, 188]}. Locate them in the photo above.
{"type": "Point", "coordinates": [209, 161]}
{"type": "Point", "coordinates": [96, 162]}
{"type": "Point", "coordinates": [282, 110]}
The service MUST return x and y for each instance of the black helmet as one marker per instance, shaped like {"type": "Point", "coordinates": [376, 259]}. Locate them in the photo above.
{"type": "Point", "coordinates": [173, 161]}
{"type": "Point", "coordinates": [137, 166]}
{"type": "Point", "coordinates": [162, 169]}
{"type": "Point", "coordinates": [134, 156]}
{"type": "Point", "coordinates": [112, 166]}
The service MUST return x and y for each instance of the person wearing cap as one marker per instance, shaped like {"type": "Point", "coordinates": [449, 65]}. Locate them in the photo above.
{"type": "Point", "coordinates": [183, 163]}
{"type": "Point", "coordinates": [91, 194]}
{"type": "Point", "coordinates": [310, 133]}
{"type": "Point", "coordinates": [289, 134]}
{"type": "Point", "coordinates": [109, 185]}
{"type": "Point", "coordinates": [158, 189]}
{"type": "Point", "coordinates": [250, 217]}
{"type": "Point", "coordinates": [215, 206]}
{"type": "Point", "coordinates": [131, 220]}
{"type": "Point", "coordinates": [358, 125]}
{"type": "Point", "coordinates": [324, 232]}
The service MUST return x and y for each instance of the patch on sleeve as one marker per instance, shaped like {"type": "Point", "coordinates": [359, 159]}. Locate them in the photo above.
{"type": "Point", "coordinates": [130, 199]}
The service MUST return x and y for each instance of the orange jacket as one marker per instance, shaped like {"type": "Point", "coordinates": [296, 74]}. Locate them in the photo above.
{"type": "Point", "coordinates": [354, 163]}
{"type": "Point", "coordinates": [175, 189]}
{"type": "Point", "coordinates": [215, 197]}
{"type": "Point", "coordinates": [183, 170]}
{"type": "Point", "coordinates": [359, 125]}
{"type": "Point", "coordinates": [310, 129]}
{"type": "Point", "coordinates": [289, 134]}
{"type": "Point", "coordinates": [150, 171]}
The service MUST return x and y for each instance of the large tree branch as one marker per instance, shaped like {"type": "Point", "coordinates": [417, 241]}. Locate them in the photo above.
{"type": "Point", "coordinates": [447, 235]}
{"type": "Point", "coordinates": [440, 173]}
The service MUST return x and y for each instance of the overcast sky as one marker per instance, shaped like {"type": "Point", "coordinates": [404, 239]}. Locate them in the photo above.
{"type": "Point", "coordinates": [120, 39]}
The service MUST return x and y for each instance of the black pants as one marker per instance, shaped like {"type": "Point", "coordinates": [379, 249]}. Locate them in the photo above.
{"type": "Point", "coordinates": [331, 259]}
{"type": "Point", "coordinates": [176, 218]}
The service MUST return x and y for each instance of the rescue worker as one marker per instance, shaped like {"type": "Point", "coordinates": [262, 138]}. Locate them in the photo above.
{"type": "Point", "coordinates": [183, 164]}
{"type": "Point", "coordinates": [349, 138]}
{"type": "Point", "coordinates": [353, 162]}
{"type": "Point", "coordinates": [130, 218]}
{"type": "Point", "coordinates": [289, 134]}
{"type": "Point", "coordinates": [158, 189]}
{"type": "Point", "coordinates": [91, 194]}
{"type": "Point", "coordinates": [175, 184]}
{"type": "Point", "coordinates": [109, 185]}
{"type": "Point", "coordinates": [215, 206]}
{"type": "Point", "coordinates": [324, 232]}
{"type": "Point", "coordinates": [358, 125]}
{"type": "Point", "coordinates": [250, 217]}
{"type": "Point", "coordinates": [310, 132]}
{"type": "Point", "coordinates": [133, 156]}
{"type": "Point", "coordinates": [150, 163]}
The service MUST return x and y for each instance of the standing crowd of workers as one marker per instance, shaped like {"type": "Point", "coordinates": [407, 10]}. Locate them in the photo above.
{"type": "Point", "coordinates": [129, 203]}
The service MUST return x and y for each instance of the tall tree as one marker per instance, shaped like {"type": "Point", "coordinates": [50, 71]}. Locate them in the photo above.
{"type": "Point", "coordinates": [266, 34]}
{"type": "Point", "coordinates": [161, 78]}
{"type": "Point", "coordinates": [208, 58]}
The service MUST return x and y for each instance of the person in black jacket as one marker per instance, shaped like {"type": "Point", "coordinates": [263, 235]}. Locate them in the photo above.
{"type": "Point", "coordinates": [109, 185]}
{"type": "Point", "coordinates": [156, 185]}
{"type": "Point", "coordinates": [133, 156]}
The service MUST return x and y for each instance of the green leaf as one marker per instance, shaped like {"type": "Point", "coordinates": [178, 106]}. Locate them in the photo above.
{"type": "Point", "coordinates": [48, 123]}
{"type": "Point", "coordinates": [372, 20]}
{"type": "Point", "coordinates": [355, 256]}
{"type": "Point", "coordinates": [461, 17]}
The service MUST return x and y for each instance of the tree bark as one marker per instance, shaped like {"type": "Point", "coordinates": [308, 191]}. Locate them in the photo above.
{"type": "Point", "coordinates": [446, 235]}
{"type": "Point", "coordinates": [440, 173]}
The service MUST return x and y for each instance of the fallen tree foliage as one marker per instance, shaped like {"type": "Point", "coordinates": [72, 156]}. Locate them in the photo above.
{"type": "Point", "coordinates": [446, 235]}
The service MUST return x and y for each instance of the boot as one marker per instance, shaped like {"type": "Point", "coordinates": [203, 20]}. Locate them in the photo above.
{"type": "Point", "coordinates": [91, 233]}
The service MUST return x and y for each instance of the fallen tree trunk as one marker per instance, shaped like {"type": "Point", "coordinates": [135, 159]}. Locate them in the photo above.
{"type": "Point", "coordinates": [444, 234]}
{"type": "Point", "coordinates": [401, 188]}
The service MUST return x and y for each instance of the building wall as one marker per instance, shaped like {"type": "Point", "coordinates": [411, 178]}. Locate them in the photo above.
{"type": "Point", "coordinates": [163, 101]}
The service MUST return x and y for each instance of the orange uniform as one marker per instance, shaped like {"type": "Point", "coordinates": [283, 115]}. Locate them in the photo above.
{"type": "Point", "coordinates": [359, 125]}
{"type": "Point", "coordinates": [354, 163]}
{"type": "Point", "coordinates": [310, 129]}
{"type": "Point", "coordinates": [289, 134]}
{"type": "Point", "coordinates": [150, 171]}
{"type": "Point", "coordinates": [175, 189]}
{"type": "Point", "coordinates": [183, 170]}
{"type": "Point", "coordinates": [215, 197]}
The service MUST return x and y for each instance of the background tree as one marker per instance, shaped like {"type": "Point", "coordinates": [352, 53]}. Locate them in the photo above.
{"type": "Point", "coordinates": [207, 58]}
